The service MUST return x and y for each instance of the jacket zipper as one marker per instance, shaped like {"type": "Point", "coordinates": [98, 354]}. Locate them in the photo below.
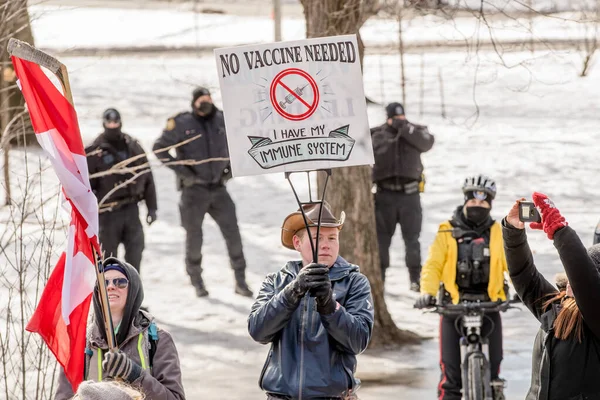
{"type": "Point", "coordinates": [302, 333]}
{"type": "Point", "coordinates": [540, 373]}
{"type": "Point", "coordinates": [262, 374]}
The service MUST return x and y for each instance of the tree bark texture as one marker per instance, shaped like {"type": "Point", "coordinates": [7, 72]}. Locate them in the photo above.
{"type": "Point", "coordinates": [14, 23]}
{"type": "Point", "coordinates": [349, 188]}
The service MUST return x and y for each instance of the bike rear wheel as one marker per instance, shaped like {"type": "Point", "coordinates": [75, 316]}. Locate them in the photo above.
{"type": "Point", "coordinates": [475, 375]}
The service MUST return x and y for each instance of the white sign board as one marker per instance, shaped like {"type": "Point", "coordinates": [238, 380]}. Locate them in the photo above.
{"type": "Point", "coordinates": [294, 106]}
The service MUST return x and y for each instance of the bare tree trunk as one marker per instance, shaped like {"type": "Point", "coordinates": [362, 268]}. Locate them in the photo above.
{"type": "Point", "coordinates": [349, 188]}
{"type": "Point", "coordinates": [401, 50]}
{"type": "Point", "coordinates": [4, 119]}
{"type": "Point", "coordinates": [14, 22]}
{"type": "Point", "coordinates": [277, 19]}
{"type": "Point", "coordinates": [591, 43]}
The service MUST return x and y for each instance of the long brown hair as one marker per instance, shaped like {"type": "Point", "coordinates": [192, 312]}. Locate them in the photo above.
{"type": "Point", "coordinates": [569, 321]}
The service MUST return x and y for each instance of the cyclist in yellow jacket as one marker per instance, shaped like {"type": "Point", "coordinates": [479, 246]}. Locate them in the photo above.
{"type": "Point", "coordinates": [467, 257]}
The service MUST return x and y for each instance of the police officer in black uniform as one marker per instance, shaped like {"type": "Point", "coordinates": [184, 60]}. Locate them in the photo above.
{"type": "Point", "coordinates": [202, 184]}
{"type": "Point", "coordinates": [397, 172]}
{"type": "Point", "coordinates": [119, 214]}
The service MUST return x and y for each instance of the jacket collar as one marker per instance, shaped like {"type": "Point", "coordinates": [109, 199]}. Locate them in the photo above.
{"type": "Point", "coordinates": [339, 270]}
{"type": "Point", "coordinates": [138, 325]}
{"type": "Point", "coordinates": [459, 220]}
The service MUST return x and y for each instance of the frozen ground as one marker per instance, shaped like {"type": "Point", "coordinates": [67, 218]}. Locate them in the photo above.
{"type": "Point", "coordinates": [85, 30]}
{"type": "Point", "coordinates": [536, 130]}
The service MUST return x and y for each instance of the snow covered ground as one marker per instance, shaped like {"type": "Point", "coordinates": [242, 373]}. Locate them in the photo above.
{"type": "Point", "coordinates": [177, 27]}
{"type": "Point", "coordinates": [536, 129]}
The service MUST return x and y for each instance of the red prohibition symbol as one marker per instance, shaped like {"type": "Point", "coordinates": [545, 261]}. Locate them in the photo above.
{"type": "Point", "coordinates": [304, 80]}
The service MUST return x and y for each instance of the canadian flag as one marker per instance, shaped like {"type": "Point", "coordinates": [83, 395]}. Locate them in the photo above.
{"type": "Point", "coordinates": [61, 315]}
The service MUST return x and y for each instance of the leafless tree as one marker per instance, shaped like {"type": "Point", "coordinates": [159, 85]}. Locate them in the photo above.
{"type": "Point", "coordinates": [32, 237]}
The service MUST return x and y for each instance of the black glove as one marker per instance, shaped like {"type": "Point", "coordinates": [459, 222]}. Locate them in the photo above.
{"type": "Point", "coordinates": [425, 301]}
{"type": "Point", "coordinates": [308, 278]}
{"type": "Point", "coordinates": [118, 365]}
{"type": "Point", "coordinates": [324, 296]}
{"type": "Point", "coordinates": [151, 217]}
{"type": "Point", "coordinates": [399, 124]}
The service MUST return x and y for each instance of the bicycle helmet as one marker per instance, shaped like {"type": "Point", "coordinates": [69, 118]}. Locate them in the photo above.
{"type": "Point", "coordinates": [479, 183]}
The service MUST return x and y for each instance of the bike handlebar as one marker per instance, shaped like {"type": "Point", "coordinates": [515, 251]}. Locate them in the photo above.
{"type": "Point", "coordinates": [485, 307]}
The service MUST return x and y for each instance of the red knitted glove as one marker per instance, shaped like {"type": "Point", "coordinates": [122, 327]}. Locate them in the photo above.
{"type": "Point", "coordinates": [552, 220]}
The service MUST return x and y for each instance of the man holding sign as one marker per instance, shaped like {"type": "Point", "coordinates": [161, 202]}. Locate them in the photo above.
{"type": "Point", "coordinates": [316, 316]}
{"type": "Point", "coordinates": [289, 107]}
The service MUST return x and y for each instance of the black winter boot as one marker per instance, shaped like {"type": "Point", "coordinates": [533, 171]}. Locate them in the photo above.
{"type": "Point", "coordinates": [241, 287]}
{"type": "Point", "coordinates": [199, 286]}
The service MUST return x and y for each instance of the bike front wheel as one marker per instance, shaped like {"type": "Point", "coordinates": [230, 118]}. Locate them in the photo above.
{"type": "Point", "coordinates": [475, 388]}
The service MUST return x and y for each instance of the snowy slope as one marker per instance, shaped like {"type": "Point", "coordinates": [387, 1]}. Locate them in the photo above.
{"type": "Point", "coordinates": [104, 28]}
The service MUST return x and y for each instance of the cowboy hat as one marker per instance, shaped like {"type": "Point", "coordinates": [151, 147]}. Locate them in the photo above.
{"type": "Point", "coordinates": [294, 222]}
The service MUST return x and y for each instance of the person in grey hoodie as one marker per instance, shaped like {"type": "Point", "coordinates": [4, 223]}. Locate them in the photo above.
{"type": "Point", "coordinates": [147, 358]}
{"type": "Point", "coordinates": [316, 316]}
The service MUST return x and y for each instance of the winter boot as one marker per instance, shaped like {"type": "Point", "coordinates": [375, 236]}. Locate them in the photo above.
{"type": "Point", "coordinates": [498, 386]}
{"type": "Point", "coordinates": [241, 287]}
{"type": "Point", "coordinates": [415, 277]}
{"type": "Point", "coordinates": [415, 287]}
{"type": "Point", "coordinates": [199, 286]}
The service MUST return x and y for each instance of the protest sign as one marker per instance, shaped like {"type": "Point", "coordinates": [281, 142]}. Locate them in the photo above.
{"type": "Point", "coordinates": [294, 106]}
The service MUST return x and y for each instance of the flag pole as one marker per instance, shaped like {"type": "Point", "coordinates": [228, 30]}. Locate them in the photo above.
{"type": "Point", "coordinates": [29, 53]}
{"type": "Point", "coordinates": [108, 324]}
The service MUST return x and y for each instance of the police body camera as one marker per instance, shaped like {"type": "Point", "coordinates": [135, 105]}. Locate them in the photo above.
{"type": "Point", "coordinates": [528, 212]}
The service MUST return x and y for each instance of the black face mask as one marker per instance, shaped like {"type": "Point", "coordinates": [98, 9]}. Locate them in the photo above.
{"type": "Point", "coordinates": [113, 133]}
{"type": "Point", "coordinates": [477, 215]}
{"type": "Point", "coordinates": [205, 108]}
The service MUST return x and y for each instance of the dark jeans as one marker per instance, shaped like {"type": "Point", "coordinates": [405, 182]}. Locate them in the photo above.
{"type": "Point", "coordinates": [451, 380]}
{"type": "Point", "coordinates": [122, 226]}
{"type": "Point", "coordinates": [196, 201]}
{"type": "Point", "coordinates": [392, 208]}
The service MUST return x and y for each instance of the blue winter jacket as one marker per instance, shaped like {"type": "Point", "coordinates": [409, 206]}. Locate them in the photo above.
{"type": "Point", "coordinates": [312, 356]}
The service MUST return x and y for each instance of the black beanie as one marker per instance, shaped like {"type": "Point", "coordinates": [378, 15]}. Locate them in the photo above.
{"type": "Point", "coordinates": [394, 109]}
{"type": "Point", "coordinates": [199, 92]}
{"type": "Point", "coordinates": [112, 115]}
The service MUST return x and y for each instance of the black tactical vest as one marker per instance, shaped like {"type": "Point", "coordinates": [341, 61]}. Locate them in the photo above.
{"type": "Point", "coordinates": [473, 265]}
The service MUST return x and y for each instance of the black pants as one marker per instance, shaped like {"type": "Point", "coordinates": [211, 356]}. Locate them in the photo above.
{"type": "Point", "coordinates": [451, 381]}
{"type": "Point", "coordinates": [122, 226]}
{"type": "Point", "coordinates": [392, 208]}
{"type": "Point", "coordinates": [196, 201]}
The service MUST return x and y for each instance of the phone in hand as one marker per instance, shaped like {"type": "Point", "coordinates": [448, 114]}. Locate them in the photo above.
{"type": "Point", "coordinates": [528, 212]}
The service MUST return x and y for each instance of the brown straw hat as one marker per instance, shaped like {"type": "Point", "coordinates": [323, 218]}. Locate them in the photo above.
{"type": "Point", "coordinates": [294, 222]}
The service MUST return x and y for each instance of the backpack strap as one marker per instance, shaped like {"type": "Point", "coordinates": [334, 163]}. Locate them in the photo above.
{"type": "Point", "coordinates": [153, 336]}
{"type": "Point", "coordinates": [86, 362]}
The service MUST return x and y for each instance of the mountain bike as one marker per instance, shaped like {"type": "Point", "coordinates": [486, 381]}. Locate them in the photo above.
{"type": "Point", "coordinates": [474, 347]}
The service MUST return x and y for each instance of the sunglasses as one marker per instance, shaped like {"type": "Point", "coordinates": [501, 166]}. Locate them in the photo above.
{"type": "Point", "coordinates": [479, 195]}
{"type": "Point", "coordinates": [120, 283]}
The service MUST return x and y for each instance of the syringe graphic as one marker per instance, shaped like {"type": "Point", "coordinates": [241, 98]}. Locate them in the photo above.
{"type": "Point", "coordinates": [290, 98]}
